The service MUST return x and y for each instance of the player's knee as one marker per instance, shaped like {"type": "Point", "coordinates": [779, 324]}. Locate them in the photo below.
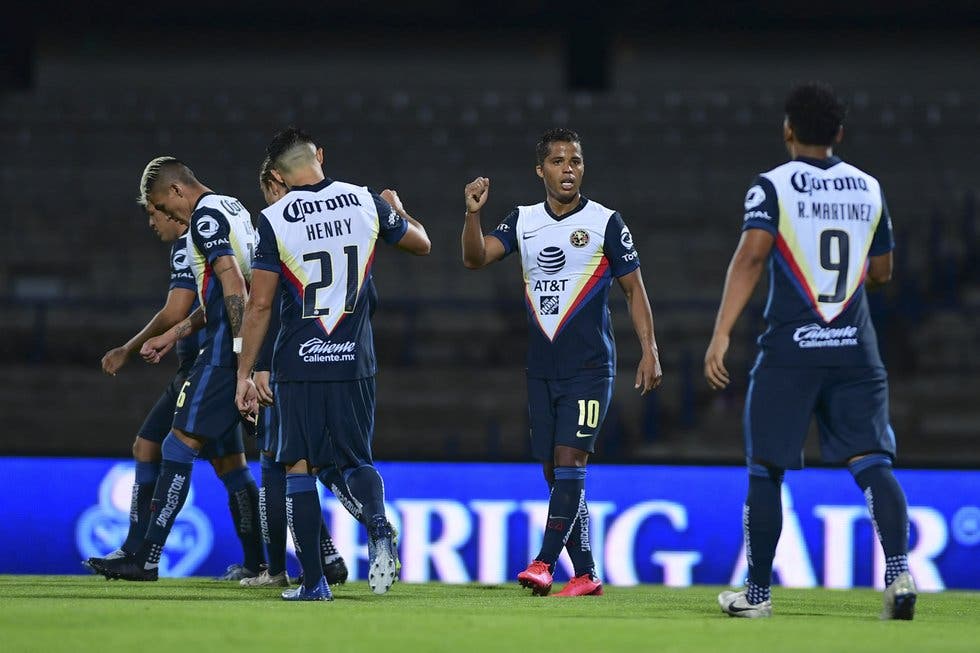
{"type": "Point", "coordinates": [145, 451]}
{"type": "Point", "coordinates": [864, 462]}
{"type": "Point", "coordinates": [228, 463]}
{"type": "Point", "coordinates": [762, 470]}
{"type": "Point", "coordinates": [175, 449]}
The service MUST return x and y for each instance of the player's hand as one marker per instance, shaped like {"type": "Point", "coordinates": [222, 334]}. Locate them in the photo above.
{"type": "Point", "coordinates": [113, 360]}
{"type": "Point", "coordinates": [714, 362]}
{"type": "Point", "coordinates": [476, 194]}
{"type": "Point", "coordinates": [155, 349]}
{"type": "Point", "coordinates": [263, 388]}
{"type": "Point", "coordinates": [247, 399]}
{"type": "Point", "coordinates": [648, 373]}
{"type": "Point", "coordinates": [392, 198]}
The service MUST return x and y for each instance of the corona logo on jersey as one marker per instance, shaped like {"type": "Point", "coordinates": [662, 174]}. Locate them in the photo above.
{"type": "Point", "coordinates": [103, 527]}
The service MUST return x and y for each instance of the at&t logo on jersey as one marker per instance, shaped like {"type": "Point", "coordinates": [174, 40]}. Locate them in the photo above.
{"type": "Point", "coordinates": [551, 260]}
{"type": "Point", "coordinates": [207, 226]}
{"type": "Point", "coordinates": [813, 335]}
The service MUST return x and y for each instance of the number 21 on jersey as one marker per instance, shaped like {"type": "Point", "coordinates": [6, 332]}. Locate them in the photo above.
{"type": "Point", "coordinates": [314, 309]}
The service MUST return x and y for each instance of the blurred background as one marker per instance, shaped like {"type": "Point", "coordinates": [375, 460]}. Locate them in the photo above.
{"type": "Point", "coordinates": [678, 107]}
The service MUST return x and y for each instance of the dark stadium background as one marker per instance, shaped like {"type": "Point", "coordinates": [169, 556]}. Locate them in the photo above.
{"type": "Point", "coordinates": [678, 105]}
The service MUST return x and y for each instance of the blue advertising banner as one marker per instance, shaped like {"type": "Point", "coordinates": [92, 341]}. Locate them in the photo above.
{"type": "Point", "coordinates": [483, 522]}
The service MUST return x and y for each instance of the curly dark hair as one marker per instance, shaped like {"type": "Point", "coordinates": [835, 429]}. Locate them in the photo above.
{"type": "Point", "coordinates": [815, 113]}
{"type": "Point", "coordinates": [554, 135]}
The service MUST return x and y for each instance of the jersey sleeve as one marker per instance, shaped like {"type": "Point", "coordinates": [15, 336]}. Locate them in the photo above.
{"type": "Point", "coordinates": [391, 226]}
{"type": "Point", "coordinates": [180, 268]}
{"type": "Point", "coordinates": [883, 240]}
{"type": "Point", "coordinates": [263, 363]}
{"type": "Point", "coordinates": [761, 207]}
{"type": "Point", "coordinates": [211, 233]}
{"type": "Point", "coordinates": [506, 232]}
{"type": "Point", "coordinates": [267, 253]}
{"type": "Point", "coordinates": [619, 248]}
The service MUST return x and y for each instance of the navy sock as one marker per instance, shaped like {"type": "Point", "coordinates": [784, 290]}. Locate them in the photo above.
{"type": "Point", "coordinates": [368, 489]}
{"type": "Point", "coordinates": [139, 510]}
{"type": "Point", "coordinates": [304, 518]}
{"type": "Point", "coordinates": [243, 500]}
{"type": "Point", "coordinates": [889, 510]}
{"type": "Point", "coordinates": [579, 545]}
{"type": "Point", "coordinates": [334, 481]}
{"type": "Point", "coordinates": [567, 495]}
{"type": "Point", "coordinates": [328, 551]}
{"type": "Point", "coordinates": [762, 521]}
{"type": "Point", "coordinates": [272, 513]}
{"type": "Point", "coordinates": [169, 496]}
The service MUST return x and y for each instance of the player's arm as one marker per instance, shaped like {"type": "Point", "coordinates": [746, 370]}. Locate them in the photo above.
{"type": "Point", "coordinates": [176, 308]}
{"type": "Point", "coordinates": [879, 271]}
{"type": "Point", "coordinates": [880, 261]}
{"type": "Point", "coordinates": [478, 251]}
{"type": "Point", "coordinates": [253, 334]}
{"type": "Point", "coordinates": [743, 274]}
{"type": "Point", "coordinates": [649, 374]}
{"type": "Point", "coordinates": [234, 290]}
{"type": "Point", "coordinates": [415, 240]}
{"type": "Point", "coordinates": [154, 349]}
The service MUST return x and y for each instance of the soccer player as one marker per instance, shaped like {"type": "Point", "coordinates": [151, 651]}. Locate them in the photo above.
{"type": "Point", "coordinates": [821, 227]}
{"type": "Point", "coordinates": [571, 248]}
{"type": "Point", "coordinates": [316, 245]}
{"type": "Point", "coordinates": [226, 454]}
{"type": "Point", "coordinates": [272, 496]}
{"type": "Point", "coordinates": [219, 250]}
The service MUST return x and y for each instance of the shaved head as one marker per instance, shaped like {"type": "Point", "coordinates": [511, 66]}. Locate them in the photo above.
{"type": "Point", "coordinates": [291, 152]}
{"type": "Point", "coordinates": [163, 171]}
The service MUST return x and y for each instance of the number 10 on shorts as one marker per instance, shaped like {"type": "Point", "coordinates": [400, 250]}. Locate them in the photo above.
{"type": "Point", "coordinates": [588, 413]}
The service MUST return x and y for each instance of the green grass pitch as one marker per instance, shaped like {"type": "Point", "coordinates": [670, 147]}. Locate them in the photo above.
{"type": "Point", "coordinates": [85, 613]}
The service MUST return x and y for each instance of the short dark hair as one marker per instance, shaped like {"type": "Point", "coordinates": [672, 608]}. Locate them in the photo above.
{"type": "Point", "coordinates": [265, 173]}
{"type": "Point", "coordinates": [554, 135]}
{"type": "Point", "coordinates": [284, 141]}
{"type": "Point", "coordinates": [815, 113]}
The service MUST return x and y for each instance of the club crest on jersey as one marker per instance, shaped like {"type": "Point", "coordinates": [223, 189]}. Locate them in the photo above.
{"type": "Point", "coordinates": [180, 259]}
{"type": "Point", "coordinates": [551, 260]}
{"type": "Point", "coordinates": [754, 197]}
{"type": "Point", "coordinates": [579, 238]}
{"type": "Point", "coordinates": [207, 226]}
{"type": "Point", "coordinates": [626, 238]}
{"type": "Point", "coordinates": [548, 305]}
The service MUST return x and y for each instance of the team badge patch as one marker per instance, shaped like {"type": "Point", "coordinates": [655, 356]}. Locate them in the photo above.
{"type": "Point", "coordinates": [579, 238]}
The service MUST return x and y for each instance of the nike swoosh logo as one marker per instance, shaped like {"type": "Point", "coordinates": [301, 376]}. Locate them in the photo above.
{"type": "Point", "coordinates": [579, 434]}
{"type": "Point", "coordinates": [525, 236]}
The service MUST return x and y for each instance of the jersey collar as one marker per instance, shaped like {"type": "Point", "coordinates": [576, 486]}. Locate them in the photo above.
{"type": "Point", "coordinates": [823, 164]}
{"type": "Point", "coordinates": [313, 188]}
{"type": "Point", "coordinates": [201, 199]}
{"type": "Point", "coordinates": [583, 200]}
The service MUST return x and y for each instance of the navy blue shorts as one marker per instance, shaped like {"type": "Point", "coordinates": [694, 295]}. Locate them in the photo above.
{"type": "Point", "coordinates": [566, 412]}
{"type": "Point", "coordinates": [267, 430]}
{"type": "Point", "coordinates": [326, 422]}
{"type": "Point", "coordinates": [160, 420]}
{"type": "Point", "coordinates": [850, 404]}
{"type": "Point", "coordinates": [206, 402]}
